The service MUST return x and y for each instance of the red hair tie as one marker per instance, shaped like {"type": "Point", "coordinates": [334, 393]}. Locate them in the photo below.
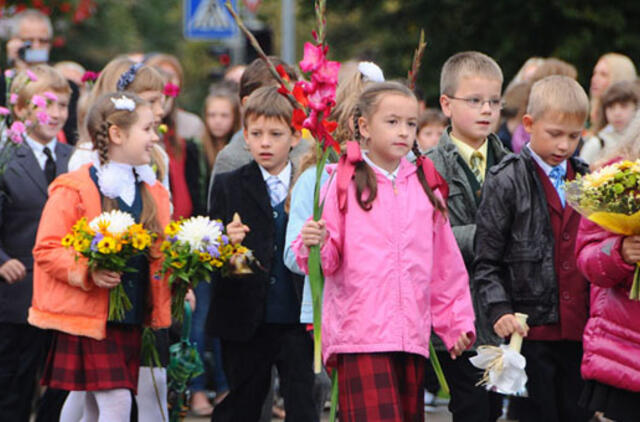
{"type": "Point", "coordinates": [434, 179]}
{"type": "Point", "coordinates": [346, 168]}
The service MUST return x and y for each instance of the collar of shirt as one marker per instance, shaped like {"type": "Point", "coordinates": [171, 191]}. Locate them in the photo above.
{"type": "Point", "coordinates": [38, 149]}
{"type": "Point", "coordinates": [544, 166]}
{"type": "Point", "coordinates": [466, 151]}
{"type": "Point", "coordinates": [391, 176]}
{"type": "Point", "coordinates": [284, 175]}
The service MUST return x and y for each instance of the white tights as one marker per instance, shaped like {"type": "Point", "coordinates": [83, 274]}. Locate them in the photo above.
{"type": "Point", "coordinates": [107, 406]}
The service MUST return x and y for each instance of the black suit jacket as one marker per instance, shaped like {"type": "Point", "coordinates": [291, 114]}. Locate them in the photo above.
{"type": "Point", "coordinates": [23, 193]}
{"type": "Point", "coordinates": [238, 304]}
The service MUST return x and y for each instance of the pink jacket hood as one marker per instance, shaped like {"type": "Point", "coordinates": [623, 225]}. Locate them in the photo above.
{"type": "Point", "coordinates": [611, 337]}
{"type": "Point", "coordinates": [391, 273]}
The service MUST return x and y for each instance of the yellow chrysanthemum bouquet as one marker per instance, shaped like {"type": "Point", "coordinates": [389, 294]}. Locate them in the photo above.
{"type": "Point", "coordinates": [108, 242]}
{"type": "Point", "coordinates": [193, 249]}
{"type": "Point", "coordinates": [610, 197]}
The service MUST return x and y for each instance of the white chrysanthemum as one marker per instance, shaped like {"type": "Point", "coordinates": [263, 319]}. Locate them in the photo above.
{"type": "Point", "coordinates": [200, 233]}
{"type": "Point", "coordinates": [115, 221]}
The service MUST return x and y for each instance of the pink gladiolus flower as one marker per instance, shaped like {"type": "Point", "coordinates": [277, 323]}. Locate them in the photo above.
{"type": "Point", "coordinates": [32, 76]}
{"type": "Point", "coordinates": [327, 73]}
{"type": "Point", "coordinates": [171, 90]}
{"type": "Point", "coordinates": [43, 117]}
{"type": "Point", "coordinates": [38, 101]}
{"type": "Point", "coordinates": [313, 57]}
{"type": "Point", "coordinates": [4, 111]}
{"type": "Point", "coordinates": [13, 98]}
{"type": "Point", "coordinates": [9, 73]}
{"type": "Point", "coordinates": [16, 131]}
{"type": "Point", "coordinates": [89, 76]}
{"type": "Point", "coordinates": [322, 97]}
{"type": "Point", "coordinates": [50, 96]}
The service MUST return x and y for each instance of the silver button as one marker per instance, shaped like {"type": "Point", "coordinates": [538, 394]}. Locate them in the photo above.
{"type": "Point", "coordinates": [275, 214]}
{"type": "Point", "coordinates": [273, 280]}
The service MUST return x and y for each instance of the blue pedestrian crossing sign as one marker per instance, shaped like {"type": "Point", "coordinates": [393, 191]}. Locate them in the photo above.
{"type": "Point", "coordinates": [208, 20]}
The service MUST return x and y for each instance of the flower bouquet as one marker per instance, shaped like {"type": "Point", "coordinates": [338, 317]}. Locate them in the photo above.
{"type": "Point", "coordinates": [108, 242]}
{"type": "Point", "coordinates": [193, 249]}
{"type": "Point", "coordinates": [610, 197]}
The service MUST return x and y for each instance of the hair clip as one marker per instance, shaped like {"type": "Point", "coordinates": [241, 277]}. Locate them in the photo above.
{"type": "Point", "coordinates": [124, 103]}
{"type": "Point", "coordinates": [371, 71]}
{"type": "Point", "coordinates": [127, 77]}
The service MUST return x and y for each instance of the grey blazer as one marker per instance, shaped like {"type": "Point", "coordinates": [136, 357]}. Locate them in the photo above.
{"type": "Point", "coordinates": [23, 193]}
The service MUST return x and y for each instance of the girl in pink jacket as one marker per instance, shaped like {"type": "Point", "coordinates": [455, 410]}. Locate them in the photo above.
{"type": "Point", "coordinates": [392, 266]}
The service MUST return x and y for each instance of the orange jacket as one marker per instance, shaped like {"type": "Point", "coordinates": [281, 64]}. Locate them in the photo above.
{"type": "Point", "coordinates": [64, 296]}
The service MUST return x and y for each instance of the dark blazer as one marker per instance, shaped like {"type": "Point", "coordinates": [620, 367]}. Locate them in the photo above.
{"type": "Point", "coordinates": [238, 304]}
{"type": "Point", "coordinates": [23, 193]}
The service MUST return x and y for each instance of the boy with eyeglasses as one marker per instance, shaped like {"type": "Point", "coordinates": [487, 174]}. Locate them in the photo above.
{"type": "Point", "coordinates": [470, 87]}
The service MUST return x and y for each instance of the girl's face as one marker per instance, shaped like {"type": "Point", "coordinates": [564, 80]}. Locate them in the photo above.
{"type": "Point", "coordinates": [601, 79]}
{"type": "Point", "coordinates": [46, 122]}
{"type": "Point", "coordinates": [134, 146]}
{"type": "Point", "coordinates": [219, 117]}
{"type": "Point", "coordinates": [619, 115]}
{"type": "Point", "coordinates": [391, 129]}
{"type": "Point", "coordinates": [156, 99]}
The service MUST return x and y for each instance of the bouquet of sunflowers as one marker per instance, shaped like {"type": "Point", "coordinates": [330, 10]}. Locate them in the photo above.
{"type": "Point", "coordinates": [108, 242]}
{"type": "Point", "coordinates": [610, 197]}
{"type": "Point", "coordinates": [193, 249]}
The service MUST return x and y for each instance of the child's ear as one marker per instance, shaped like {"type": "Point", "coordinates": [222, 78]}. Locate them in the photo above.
{"type": "Point", "coordinates": [527, 122]}
{"type": "Point", "coordinates": [445, 105]}
{"type": "Point", "coordinates": [363, 126]}
{"type": "Point", "coordinates": [296, 137]}
{"type": "Point", "coordinates": [116, 135]}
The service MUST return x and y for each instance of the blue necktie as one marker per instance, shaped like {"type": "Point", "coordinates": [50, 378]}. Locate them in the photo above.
{"type": "Point", "coordinates": [277, 191]}
{"type": "Point", "coordinates": [557, 178]}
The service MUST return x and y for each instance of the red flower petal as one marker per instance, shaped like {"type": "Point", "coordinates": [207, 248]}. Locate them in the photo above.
{"type": "Point", "coordinates": [298, 118]}
{"type": "Point", "coordinates": [283, 73]}
{"type": "Point", "coordinates": [329, 125]}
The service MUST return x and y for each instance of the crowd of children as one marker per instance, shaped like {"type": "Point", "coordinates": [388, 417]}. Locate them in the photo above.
{"type": "Point", "coordinates": [431, 221]}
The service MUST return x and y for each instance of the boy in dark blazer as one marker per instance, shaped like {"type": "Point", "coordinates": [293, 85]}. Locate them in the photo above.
{"type": "Point", "coordinates": [257, 317]}
{"type": "Point", "coordinates": [23, 192]}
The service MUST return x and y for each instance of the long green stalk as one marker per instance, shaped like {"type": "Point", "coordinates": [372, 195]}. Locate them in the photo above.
{"type": "Point", "coordinates": [334, 396]}
{"type": "Point", "coordinates": [437, 368]}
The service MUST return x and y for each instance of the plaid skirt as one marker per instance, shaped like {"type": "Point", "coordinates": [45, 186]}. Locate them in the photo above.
{"type": "Point", "coordinates": [78, 363]}
{"type": "Point", "coordinates": [381, 387]}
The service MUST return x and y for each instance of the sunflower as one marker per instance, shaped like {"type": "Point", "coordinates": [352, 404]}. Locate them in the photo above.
{"type": "Point", "coordinates": [107, 245]}
{"type": "Point", "coordinates": [81, 244]}
{"type": "Point", "coordinates": [177, 264]}
{"type": "Point", "coordinates": [67, 241]}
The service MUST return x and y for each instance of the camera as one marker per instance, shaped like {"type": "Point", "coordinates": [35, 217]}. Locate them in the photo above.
{"type": "Point", "coordinates": [32, 55]}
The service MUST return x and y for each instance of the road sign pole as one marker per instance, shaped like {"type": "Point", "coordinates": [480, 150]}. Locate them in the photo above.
{"type": "Point", "coordinates": [288, 49]}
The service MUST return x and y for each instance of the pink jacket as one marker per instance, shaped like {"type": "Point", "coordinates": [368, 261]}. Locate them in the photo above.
{"type": "Point", "coordinates": [391, 272]}
{"type": "Point", "coordinates": [612, 335]}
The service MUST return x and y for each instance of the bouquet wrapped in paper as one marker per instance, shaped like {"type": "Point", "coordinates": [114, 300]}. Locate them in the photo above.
{"type": "Point", "coordinates": [108, 242]}
{"type": "Point", "coordinates": [193, 249]}
{"type": "Point", "coordinates": [610, 197]}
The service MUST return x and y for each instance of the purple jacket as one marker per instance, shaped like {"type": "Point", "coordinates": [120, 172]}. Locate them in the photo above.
{"type": "Point", "coordinates": [612, 335]}
{"type": "Point", "coordinates": [391, 273]}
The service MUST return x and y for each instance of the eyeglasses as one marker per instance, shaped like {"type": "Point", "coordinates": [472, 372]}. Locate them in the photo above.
{"type": "Point", "coordinates": [475, 102]}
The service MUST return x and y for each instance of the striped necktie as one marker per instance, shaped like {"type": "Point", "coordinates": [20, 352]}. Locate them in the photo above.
{"type": "Point", "coordinates": [476, 162]}
{"type": "Point", "coordinates": [277, 191]}
{"type": "Point", "coordinates": [557, 179]}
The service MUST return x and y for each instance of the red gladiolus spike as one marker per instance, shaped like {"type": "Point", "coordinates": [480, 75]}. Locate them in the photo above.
{"type": "Point", "coordinates": [283, 73]}
{"type": "Point", "coordinates": [329, 125]}
{"type": "Point", "coordinates": [298, 118]}
{"type": "Point", "coordinates": [299, 95]}
{"type": "Point", "coordinates": [329, 142]}
{"type": "Point", "coordinates": [283, 90]}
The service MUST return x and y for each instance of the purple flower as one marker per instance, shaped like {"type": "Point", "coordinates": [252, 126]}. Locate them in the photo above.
{"type": "Point", "coordinates": [9, 73]}
{"type": "Point", "coordinates": [94, 243]}
{"type": "Point", "coordinates": [213, 251]}
{"type": "Point", "coordinates": [206, 239]}
{"type": "Point", "coordinates": [4, 111]}
{"type": "Point", "coordinates": [32, 76]}
{"type": "Point", "coordinates": [38, 101]}
{"type": "Point", "coordinates": [43, 117]}
{"type": "Point", "coordinates": [50, 96]}
{"type": "Point", "coordinates": [225, 239]}
{"type": "Point", "coordinates": [173, 239]}
{"type": "Point", "coordinates": [13, 98]}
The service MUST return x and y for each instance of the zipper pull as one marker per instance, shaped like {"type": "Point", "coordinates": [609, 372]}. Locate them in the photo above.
{"type": "Point", "coordinates": [395, 190]}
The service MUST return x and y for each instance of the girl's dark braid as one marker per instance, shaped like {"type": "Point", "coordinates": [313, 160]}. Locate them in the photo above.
{"type": "Point", "coordinates": [102, 142]}
{"type": "Point", "coordinates": [435, 201]}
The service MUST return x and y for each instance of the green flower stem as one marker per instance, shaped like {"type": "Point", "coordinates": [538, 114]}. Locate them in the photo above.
{"type": "Point", "coordinates": [634, 294]}
{"type": "Point", "coordinates": [177, 300]}
{"type": "Point", "coordinates": [119, 303]}
{"type": "Point", "coordinates": [151, 358]}
{"type": "Point", "coordinates": [334, 396]}
{"type": "Point", "coordinates": [433, 357]}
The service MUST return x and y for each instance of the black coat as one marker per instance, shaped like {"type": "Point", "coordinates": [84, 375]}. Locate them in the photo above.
{"type": "Point", "coordinates": [23, 193]}
{"type": "Point", "coordinates": [514, 248]}
{"type": "Point", "coordinates": [238, 304]}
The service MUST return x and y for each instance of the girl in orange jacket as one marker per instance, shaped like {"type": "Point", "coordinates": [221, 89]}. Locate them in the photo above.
{"type": "Point", "coordinates": [88, 352]}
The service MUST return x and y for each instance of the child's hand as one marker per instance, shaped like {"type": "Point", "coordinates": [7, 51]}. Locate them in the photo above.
{"type": "Point", "coordinates": [236, 230]}
{"type": "Point", "coordinates": [507, 325]}
{"type": "Point", "coordinates": [190, 297]}
{"type": "Point", "coordinates": [105, 278]}
{"type": "Point", "coordinates": [461, 345]}
{"type": "Point", "coordinates": [631, 249]}
{"type": "Point", "coordinates": [314, 233]}
{"type": "Point", "coordinates": [13, 271]}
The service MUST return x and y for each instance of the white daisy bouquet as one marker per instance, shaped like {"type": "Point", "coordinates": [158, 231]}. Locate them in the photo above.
{"type": "Point", "coordinates": [108, 242]}
{"type": "Point", "coordinates": [193, 249]}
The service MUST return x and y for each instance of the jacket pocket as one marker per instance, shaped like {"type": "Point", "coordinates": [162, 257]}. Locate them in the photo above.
{"type": "Point", "coordinates": [524, 261]}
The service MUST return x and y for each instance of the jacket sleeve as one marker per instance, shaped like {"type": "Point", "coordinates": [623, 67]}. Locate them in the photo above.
{"type": "Point", "coordinates": [221, 165]}
{"type": "Point", "coordinates": [494, 220]}
{"type": "Point", "coordinates": [60, 213]}
{"type": "Point", "coordinates": [451, 306]}
{"type": "Point", "coordinates": [300, 210]}
{"type": "Point", "coordinates": [218, 201]}
{"type": "Point", "coordinates": [465, 236]}
{"type": "Point", "coordinates": [331, 251]}
{"type": "Point", "coordinates": [4, 256]}
{"type": "Point", "coordinates": [599, 256]}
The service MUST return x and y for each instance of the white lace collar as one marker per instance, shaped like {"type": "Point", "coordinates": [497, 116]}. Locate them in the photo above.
{"type": "Point", "coordinates": [117, 180]}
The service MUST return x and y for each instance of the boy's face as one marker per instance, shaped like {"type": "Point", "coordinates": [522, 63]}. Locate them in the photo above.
{"type": "Point", "coordinates": [619, 114]}
{"type": "Point", "coordinates": [554, 136]}
{"type": "Point", "coordinates": [44, 128]}
{"type": "Point", "coordinates": [270, 139]}
{"type": "Point", "coordinates": [429, 135]}
{"type": "Point", "coordinates": [472, 116]}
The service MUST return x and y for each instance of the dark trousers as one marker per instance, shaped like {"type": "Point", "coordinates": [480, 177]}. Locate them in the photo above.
{"type": "Point", "coordinates": [469, 402]}
{"type": "Point", "coordinates": [248, 369]}
{"type": "Point", "coordinates": [22, 353]}
{"type": "Point", "coordinates": [554, 382]}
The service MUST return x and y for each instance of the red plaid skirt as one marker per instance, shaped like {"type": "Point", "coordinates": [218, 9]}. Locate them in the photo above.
{"type": "Point", "coordinates": [381, 387]}
{"type": "Point", "coordinates": [78, 363]}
